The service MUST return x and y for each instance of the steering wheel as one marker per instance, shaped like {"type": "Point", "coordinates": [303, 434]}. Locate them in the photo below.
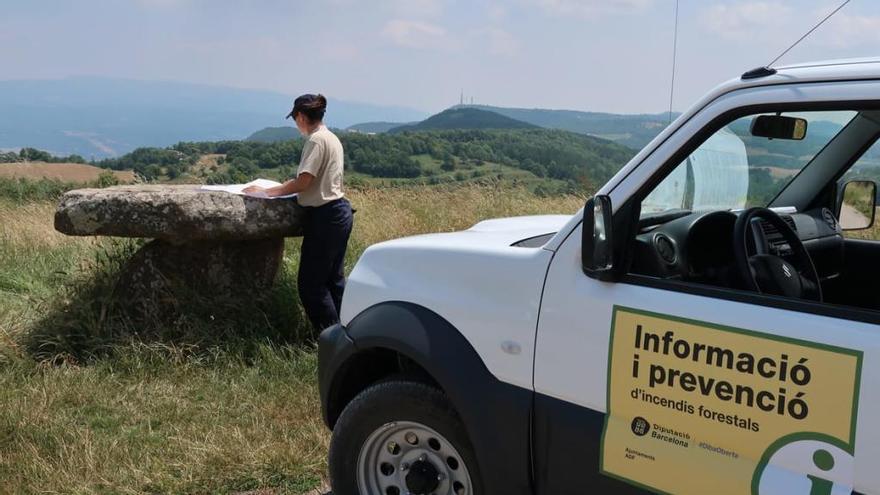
{"type": "Point", "coordinates": [766, 273]}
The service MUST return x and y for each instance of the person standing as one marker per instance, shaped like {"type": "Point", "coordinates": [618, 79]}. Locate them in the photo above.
{"type": "Point", "coordinates": [328, 218]}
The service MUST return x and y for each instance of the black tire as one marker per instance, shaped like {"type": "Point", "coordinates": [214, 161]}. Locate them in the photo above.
{"type": "Point", "coordinates": [387, 402]}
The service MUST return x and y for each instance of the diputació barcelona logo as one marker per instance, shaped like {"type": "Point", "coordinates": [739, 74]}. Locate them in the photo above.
{"type": "Point", "coordinates": [640, 426]}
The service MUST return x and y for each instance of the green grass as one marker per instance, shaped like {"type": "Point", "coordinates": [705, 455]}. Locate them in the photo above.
{"type": "Point", "coordinates": [208, 397]}
{"type": "Point", "coordinates": [155, 419]}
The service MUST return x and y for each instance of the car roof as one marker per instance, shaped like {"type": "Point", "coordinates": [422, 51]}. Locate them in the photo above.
{"type": "Point", "coordinates": [808, 72]}
{"type": "Point", "coordinates": [829, 70]}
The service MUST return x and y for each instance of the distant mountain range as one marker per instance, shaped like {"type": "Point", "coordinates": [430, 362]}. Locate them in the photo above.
{"type": "Point", "coordinates": [453, 118]}
{"type": "Point", "coordinates": [633, 131]}
{"type": "Point", "coordinates": [101, 117]}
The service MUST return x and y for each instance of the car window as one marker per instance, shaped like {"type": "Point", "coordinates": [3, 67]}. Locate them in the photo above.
{"type": "Point", "coordinates": [734, 169]}
{"type": "Point", "coordinates": [855, 210]}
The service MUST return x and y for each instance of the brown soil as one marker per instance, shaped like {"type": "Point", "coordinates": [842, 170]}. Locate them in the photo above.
{"type": "Point", "coordinates": [782, 173]}
{"type": "Point", "coordinates": [65, 172]}
{"type": "Point", "coordinates": [207, 163]}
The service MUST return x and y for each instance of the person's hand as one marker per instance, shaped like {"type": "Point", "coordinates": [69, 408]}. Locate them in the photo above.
{"type": "Point", "coordinates": [254, 190]}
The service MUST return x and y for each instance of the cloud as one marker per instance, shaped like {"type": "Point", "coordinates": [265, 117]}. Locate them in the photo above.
{"type": "Point", "coordinates": [414, 34]}
{"type": "Point", "coordinates": [778, 22]}
{"type": "Point", "coordinates": [745, 19]}
{"type": "Point", "coordinates": [162, 4]}
{"type": "Point", "coordinates": [496, 13]}
{"type": "Point", "coordinates": [341, 51]}
{"type": "Point", "coordinates": [498, 41]}
{"type": "Point", "coordinates": [849, 30]}
{"type": "Point", "coordinates": [418, 8]}
{"type": "Point", "coordinates": [592, 8]}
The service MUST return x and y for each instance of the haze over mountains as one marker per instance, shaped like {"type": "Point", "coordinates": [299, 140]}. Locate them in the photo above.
{"type": "Point", "coordinates": [99, 117]}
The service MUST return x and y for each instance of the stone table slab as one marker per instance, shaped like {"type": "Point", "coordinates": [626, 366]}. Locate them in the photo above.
{"type": "Point", "coordinates": [176, 213]}
{"type": "Point", "coordinates": [211, 242]}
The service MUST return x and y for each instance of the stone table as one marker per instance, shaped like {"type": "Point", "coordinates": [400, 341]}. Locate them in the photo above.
{"type": "Point", "coordinates": [214, 242]}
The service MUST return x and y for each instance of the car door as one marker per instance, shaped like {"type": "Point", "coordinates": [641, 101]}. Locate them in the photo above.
{"type": "Point", "coordinates": [861, 232]}
{"type": "Point", "coordinates": [643, 388]}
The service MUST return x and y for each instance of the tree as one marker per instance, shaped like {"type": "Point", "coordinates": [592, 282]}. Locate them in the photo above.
{"type": "Point", "coordinates": [107, 179]}
{"type": "Point", "coordinates": [448, 163]}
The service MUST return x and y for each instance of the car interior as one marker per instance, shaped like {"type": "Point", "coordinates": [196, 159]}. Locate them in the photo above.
{"type": "Point", "coordinates": [776, 203]}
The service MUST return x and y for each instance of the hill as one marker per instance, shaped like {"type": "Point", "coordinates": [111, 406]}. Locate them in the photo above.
{"type": "Point", "coordinates": [464, 118]}
{"type": "Point", "coordinates": [274, 134]}
{"type": "Point", "coordinates": [103, 117]}
{"type": "Point", "coordinates": [634, 131]}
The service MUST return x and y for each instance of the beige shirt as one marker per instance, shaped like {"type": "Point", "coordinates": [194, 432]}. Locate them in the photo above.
{"type": "Point", "coordinates": [322, 157]}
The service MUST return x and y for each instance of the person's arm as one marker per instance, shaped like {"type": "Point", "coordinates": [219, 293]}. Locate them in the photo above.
{"type": "Point", "coordinates": [301, 183]}
{"type": "Point", "coordinates": [308, 169]}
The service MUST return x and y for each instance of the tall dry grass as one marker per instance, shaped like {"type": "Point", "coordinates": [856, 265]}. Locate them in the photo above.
{"type": "Point", "coordinates": [206, 401]}
{"type": "Point", "coordinates": [390, 213]}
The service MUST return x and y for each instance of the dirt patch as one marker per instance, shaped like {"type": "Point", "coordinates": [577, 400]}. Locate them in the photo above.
{"type": "Point", "coordinates": [65, 172]}
{"type": "Point", "coordinates": [781, 173]}
{"type": "Point", "coordinates": [207, 163]}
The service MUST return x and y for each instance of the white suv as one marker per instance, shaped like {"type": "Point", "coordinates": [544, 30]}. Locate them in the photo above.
{"type": "Point", "coordinates": [701, 326]}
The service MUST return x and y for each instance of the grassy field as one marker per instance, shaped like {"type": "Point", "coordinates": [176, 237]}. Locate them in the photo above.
{"type": "Point", "coordinates": [210, 398]}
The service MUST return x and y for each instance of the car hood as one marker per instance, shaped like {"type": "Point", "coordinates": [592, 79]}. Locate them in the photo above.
{"type": "Point", "coordinates": [499, 232]}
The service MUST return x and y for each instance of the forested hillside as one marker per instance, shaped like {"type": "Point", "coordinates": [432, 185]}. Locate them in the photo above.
{"type": "Point", "coordinates": [547, 160]}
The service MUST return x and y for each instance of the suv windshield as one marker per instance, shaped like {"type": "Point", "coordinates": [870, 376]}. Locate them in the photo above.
{"type": "Point", "coordinates": [734, 169]}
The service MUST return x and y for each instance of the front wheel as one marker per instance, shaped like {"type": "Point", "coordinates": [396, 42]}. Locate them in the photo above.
{"type": "Point", "coordinates": [401, 437]}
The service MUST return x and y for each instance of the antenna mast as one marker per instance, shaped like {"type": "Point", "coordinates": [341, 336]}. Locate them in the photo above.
{"type": "Point", "coordinates": [802, 38]}
{"type": "Point", "coordinates": [674, 54]}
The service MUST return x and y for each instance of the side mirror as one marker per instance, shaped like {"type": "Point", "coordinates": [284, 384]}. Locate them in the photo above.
{"type": "Point", "coordinates": [859, 202]}
{"type": "Point", "coordinates": [779, 127]}
{"type": "Point", "coordinates": [597, 254]}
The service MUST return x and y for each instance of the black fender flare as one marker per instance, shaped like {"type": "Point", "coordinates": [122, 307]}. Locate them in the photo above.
{"type": "Point", "coordinates": [496, 415]}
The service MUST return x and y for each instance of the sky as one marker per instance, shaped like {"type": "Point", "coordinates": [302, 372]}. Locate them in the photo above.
{"type": "Point", "coordinates": [595, 55]}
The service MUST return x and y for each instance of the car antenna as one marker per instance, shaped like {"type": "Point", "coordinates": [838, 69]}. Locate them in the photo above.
{"type": "Point", "coordinates": [674, 53]}
{"type": "Point", "coordinates": [768, 69]}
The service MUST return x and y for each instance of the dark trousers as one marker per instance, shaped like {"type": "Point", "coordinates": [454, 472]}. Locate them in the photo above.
{"type": "Point", "coordinates": [321, 279]}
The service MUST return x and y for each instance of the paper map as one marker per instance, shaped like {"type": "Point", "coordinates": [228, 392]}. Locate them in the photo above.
{"type": "Point", "coordinates": [239, 188]}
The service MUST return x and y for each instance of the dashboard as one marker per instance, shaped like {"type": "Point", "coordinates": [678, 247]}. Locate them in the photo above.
{"type": "Point", "coordinates": [698, 247]}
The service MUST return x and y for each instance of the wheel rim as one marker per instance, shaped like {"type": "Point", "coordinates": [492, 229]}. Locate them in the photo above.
{"type": "Point", "coordinates": [405, 457]}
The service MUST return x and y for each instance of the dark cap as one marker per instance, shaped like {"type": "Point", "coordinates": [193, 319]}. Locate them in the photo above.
{"type": "Point", "coordinates": [301, 103]}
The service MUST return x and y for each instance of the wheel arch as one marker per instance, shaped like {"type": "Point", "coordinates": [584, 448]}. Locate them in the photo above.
{"type": "Point", "coordinates": [396, 337]}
